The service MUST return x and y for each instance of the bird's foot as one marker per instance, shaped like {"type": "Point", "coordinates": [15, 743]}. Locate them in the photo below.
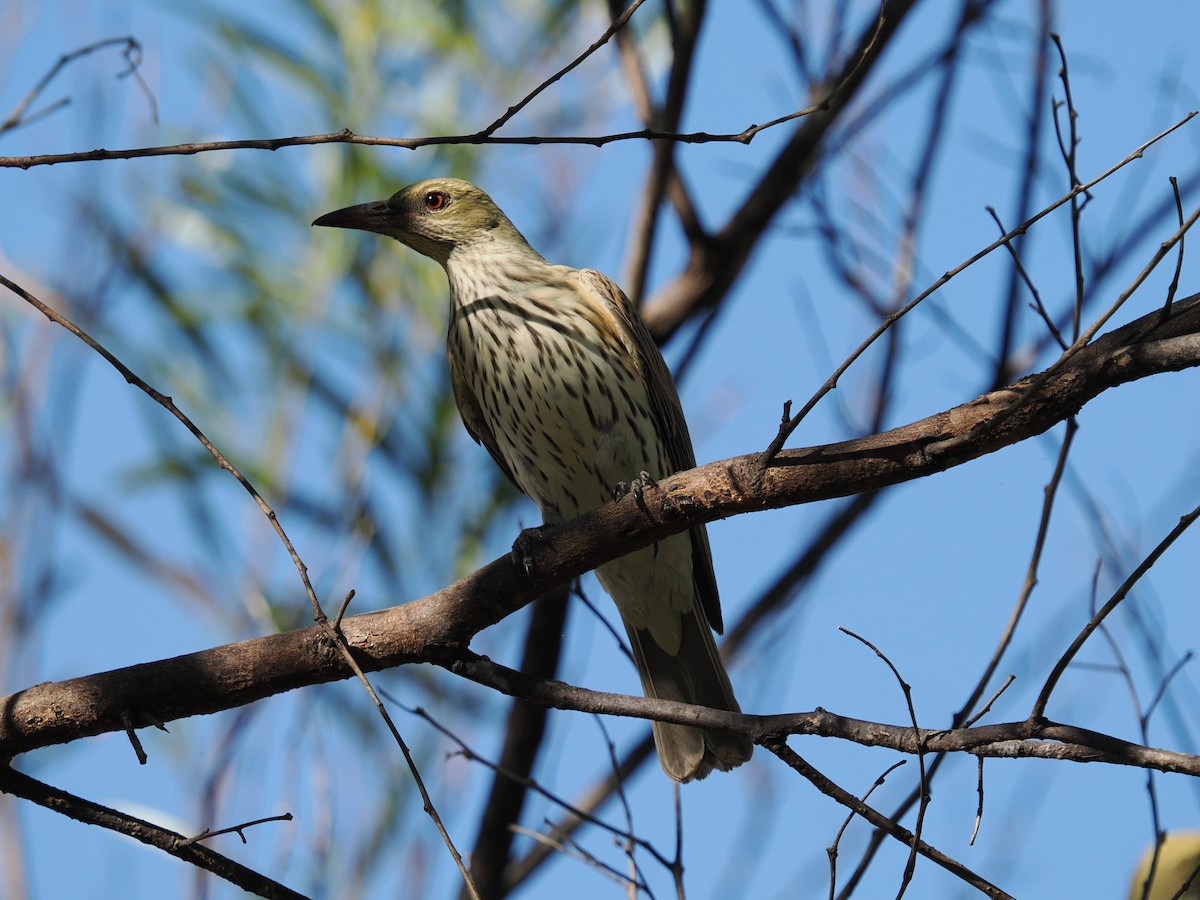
{"type": "Point", "coordinates": [522, 548]}
{"type": "Point", "coordinates": [636, 487]}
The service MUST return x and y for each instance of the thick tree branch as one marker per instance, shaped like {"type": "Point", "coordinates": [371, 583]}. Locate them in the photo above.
{"type": "Point", "coordinates": [438, 626]}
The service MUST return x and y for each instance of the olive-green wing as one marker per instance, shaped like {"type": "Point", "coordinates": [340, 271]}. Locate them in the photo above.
{"type": "Point", "coordinates": [624, 321]}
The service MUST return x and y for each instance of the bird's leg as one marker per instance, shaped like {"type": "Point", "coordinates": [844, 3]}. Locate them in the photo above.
{"type": "Point", "coordinates": [522, 548]}
{"type": "Point", "coordinates": [636, 487]}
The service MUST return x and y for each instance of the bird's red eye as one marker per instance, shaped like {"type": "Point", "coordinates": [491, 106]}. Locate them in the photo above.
{"type": "Point", "coordinates": [436, 200]}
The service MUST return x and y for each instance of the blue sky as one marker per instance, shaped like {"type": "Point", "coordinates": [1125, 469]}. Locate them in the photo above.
{"type": "Point", "coordinates": [930, 578]}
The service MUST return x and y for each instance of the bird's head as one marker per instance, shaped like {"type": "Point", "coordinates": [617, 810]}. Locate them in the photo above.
{"type": "Point", "coordinates": [433, 217]}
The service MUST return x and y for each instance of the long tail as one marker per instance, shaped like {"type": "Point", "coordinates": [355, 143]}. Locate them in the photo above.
{"type": "Point", "coordinates": [694, 675]}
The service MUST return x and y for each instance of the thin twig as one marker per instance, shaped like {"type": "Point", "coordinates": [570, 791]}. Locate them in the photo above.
{"type": "Point", "coordinates": [1049, 493]}
{"type": "Point", "coordinates": [979, 805]}
{"type": "Point", "coordinates": [334, 636]}
{"type": "Point", "coordinates": [1179, 259]}
{"type": "Point", "coordinates": [169, 405]}
{"type": "Point", "coordinates": [571, 849]}
{"type": "Point", "coordinates": [825, 104]}
{"type": "Point", "coordinates": [346, 136]}
{"type": "Point", "coordinates": [1067, 147]}
{"type": "Point", "coordinates": [522, 745]}
{"type": "Point", "coordinates": [1037, 304]}
{"type": "Point", "coordinates": [132, 54]}
{"type": "Point", "coordinates": [1043, 698]}
{"type": "Point", "coordinates": [86, 811]}
{"type": "Point", "coordinates": [986, 708]}
{"type": "Point", "coordinates": [239, 830]}
{"type": "Point", "coordinates": [521, 870]}
{"type": "Point", "coordinates": [923, 777]}
{"type": "Point", "coordinates": [785, 431]}
{"type": "Point", "coordinates": [627, 844]}
{"type": "Point", "coordinates": [677, 863]}
{"type": "Point", "coordinates": [880, 821]}
{"type": "Point", "coordinates": [1030, 173]}
{"type": "Point", "coordinates": [663, 178]}
{"type": "Point", "coordinates": [1166, 681]}
{"type": "Point", "coordinates": [131, 732]}
{"type": "Point", "coordinates": [341, 613]}
{"type": "Point", "coordinates": [1126, 675]}
{"type": "Point", "coordinates": [1081, 341]}
{"type": "Point", "coordinates": [535, 786]}
{"type": "Point", "coordinates": [616, 26]}
{"type": "Point", "coordinates": [832, 851]}
{"type": "Point", "coordinates": [430, 810]}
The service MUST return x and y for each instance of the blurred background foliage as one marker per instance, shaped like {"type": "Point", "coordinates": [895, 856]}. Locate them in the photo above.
{"type": "Point", "coordinates": [315, 361]}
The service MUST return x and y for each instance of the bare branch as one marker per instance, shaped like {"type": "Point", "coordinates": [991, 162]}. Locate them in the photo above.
{"type": "Point", "coordinates": [882, 822]}
{"type": "Point", "coordinates": [1032, 738]}
{"type": "Point", "coordinates": [240, 829]}
{"type": "Point", "coordinates": [332, 634]}
{"type": "Point", "coordinates": [716, 264]}
{"type": "Point", "coordinates": [20, 785]}
{"type": "Point", "coordinates": [617, 25]}
{"type": "Point", "coordinates": [346, 136]}
{"type": "Point", "coordinates": [168, 404]}
{"type": "Point", "coordinates": [1185, 522]}
{"type": "Point", "coordinates": [923, 775]}
{"type": "Point", "coordinates": [786, 430]}
{"type": "Point", "coordinates": [832, 852]}
{"type": "Point", "coordinates": [133, 55]}
{"type": "Point", "coordinates": [1088, 333]}
{"type": "Point", "coordinates": [1049, 494]}
{"type": "Point", "coordinates": [442, 623]}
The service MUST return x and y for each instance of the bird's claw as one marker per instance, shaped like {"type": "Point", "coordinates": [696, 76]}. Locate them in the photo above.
{"type": "Point", "coordinates": [637, 488]}
{"type": "Point", "coordinates": [522, 548]}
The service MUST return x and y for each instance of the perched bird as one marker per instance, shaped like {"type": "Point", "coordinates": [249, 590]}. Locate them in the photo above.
{"type": "Point", "coordinates": [555, 374]}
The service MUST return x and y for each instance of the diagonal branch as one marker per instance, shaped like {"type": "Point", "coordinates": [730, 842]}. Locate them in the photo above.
{"type": "Point", "coordinates": [188, 849]}
{"type": "Point", "coordinates": [617, 24]}
{"type": "Point", "coordinates": [786, 429]}
{"type": "Point", "coordinates": [132, 52]}
{"type": "Point", "coordinates": [876, 818]}
{"type": "Point", "coordinates": [438, 626]}
{"type": "Point", "coordinates": [716, 264]}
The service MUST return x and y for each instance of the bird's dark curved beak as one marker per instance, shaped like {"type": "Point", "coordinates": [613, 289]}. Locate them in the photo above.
{"type": "Point", "coordinates": [376, 216]}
